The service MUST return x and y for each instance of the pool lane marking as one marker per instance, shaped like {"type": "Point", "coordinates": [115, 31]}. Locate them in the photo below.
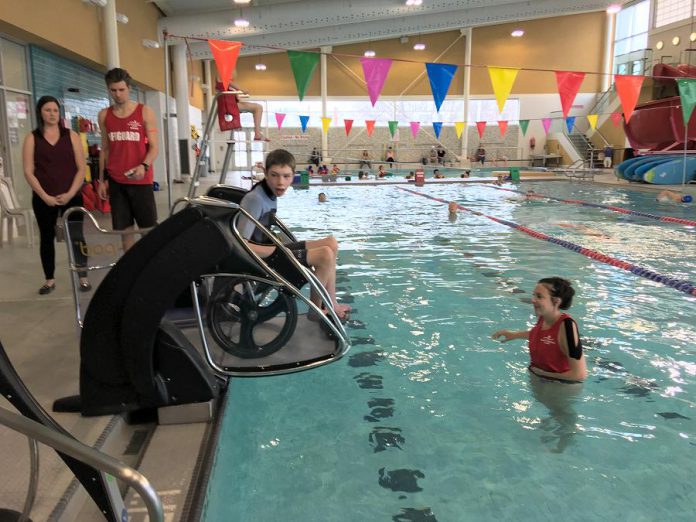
{"type": "Point", "coordinates": [620, 210]}
{"type": "Point", "coordinates": [682, 285]}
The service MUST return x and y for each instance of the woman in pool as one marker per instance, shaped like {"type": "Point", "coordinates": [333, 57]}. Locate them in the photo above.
{"type": "Point", "coordinates": [554, 341]}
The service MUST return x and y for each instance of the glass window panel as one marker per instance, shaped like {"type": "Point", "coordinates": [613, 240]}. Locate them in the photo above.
{"type": "Point", "coordinates": [670, 11]}
{"type": "Point", "coordinates": [14, 65]}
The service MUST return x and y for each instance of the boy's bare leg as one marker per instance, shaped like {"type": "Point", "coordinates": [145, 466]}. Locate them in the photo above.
{"type": "Point", "coordinates": [328, 241]}
{"type": "Point", "coordinates": [324, 262]}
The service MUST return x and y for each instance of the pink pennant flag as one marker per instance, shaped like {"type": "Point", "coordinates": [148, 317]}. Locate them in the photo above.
{"type": "Point", "coordinates": [375, 71]}
{"type": "Point", "coordinates": [616, 118]}
{"type": "Point", "coordinates": [415, 125]}
{"type": "Point", "coordinates": [349, 125]}
{"type": "Point", "coordinates": [546, 122]}
{"type": "Point", "coordinates": [568, 86]}
{"type": "Point", "coordinates": [481, 126]}
{"type": "Point", "coordinates": [628, 89]}
{"type": "Point", "coordinates": [279, 118]}
{"type": "Point", "coordinates": [370, 124]}
{"type": "Point", "coordinates": [502, 125]}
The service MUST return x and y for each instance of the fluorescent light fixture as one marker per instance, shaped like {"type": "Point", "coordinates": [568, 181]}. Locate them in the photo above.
{"type": "Point", "coordinates": [121, 18]}
{"type": "Point", "coordinates": [369, 53]}
{"type": "Point", "coordinates": [241, 22]}
{"type": "Point", "coordinates": [97, 3]}
{"type": "Point", "coordinates": [151, 44]}
{"type": "Point", "coordinates": [414, 2]}
{"type": "Point", "coordinates": [242, 1]}
{"type": "Point", "coordinates": [517, 33]}
{"type": "Point", "coordinates": [419, 46]}
{"type": "Point", "coordinates": [613, 9]}
{"type": "Point", "coordinates": [260, 66]}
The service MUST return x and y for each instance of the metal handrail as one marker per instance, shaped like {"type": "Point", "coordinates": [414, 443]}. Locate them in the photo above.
{"type": "Point", "coordinates": [89, 456]}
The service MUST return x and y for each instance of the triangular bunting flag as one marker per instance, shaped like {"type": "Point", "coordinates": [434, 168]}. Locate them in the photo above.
{"type": "Point", "coordinates": [592, 118]}
{"type": "Point", "coordinates": [481, 126]}
{"type": "Point", "coordinates": [440, 76]}
{"type": "Point", "coordinates": [502, 79]}
{"type": "Point", "coordinates": [349, 125]}
{"type": "Point", "coordinates": [568, 86]}
{"type": "Point", "coordinates": [303, 65]}
{"type": "Point", "coordinates": [325, 122]}
{"type": "Point", "coordinates": [628, 89]}
{"type": "Point", "coordinates": [615, 118]}
{"type": "Point", "coordinates": [687, 93]}
{"type": "Point", "coordinates": [415, 125]}
{"type": "Point", "coordinates": [437, 127]}
{"type": "Point", "coordinates": [370, 124]}
{"type": "Point", "coordinates": [502, 125]}
{"type": "Point", "coordinates": [303, 122]}
{"type": "Point", "coordinates": [375, 71]}
{"type": "Point", "coordinates": [523, 125]}
{"type": "Point", "coordinates": [459, 127]}
{"type": "Point", "coordinates": [225, 54]}
{"type": "Point", "coordinates": [570, 123]}
{"type": "Point", "coordinates": [546, 122]}
{"type": "Point", "coordinates": [279, 118]}
{"type": "Point", "coordinates": [393, 124]}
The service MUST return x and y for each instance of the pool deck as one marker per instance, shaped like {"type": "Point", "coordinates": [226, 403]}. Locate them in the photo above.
{"type": "Point", "coordinates": [41, 338]}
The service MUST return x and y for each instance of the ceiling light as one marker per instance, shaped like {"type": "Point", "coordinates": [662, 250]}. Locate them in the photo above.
{"type": "Point", "coordinates": [152, 44]}
{"type": "Point", "coordinates": [692, 37]}
{"type": "Point", "coordinates": [369, 53]}
{"type": "Point", "coordinates": [659, 45]}
{"type": "Point", "coordinates": [414, 2]}
{"type": "Point", "coordinates": [121, 18]}
{"type": "Point", "coordinates": [260, 66]}
{"type": "Point", "coordinates": [613, 9]}
{"type": "Point", "coordinates": [517, 33]}
{"type": "Point", "coordinates": [98, 3]}
{"type": "Point", "coordinates": [242, 1]}
{"type": "Point", "coordinates": [241, 22]}
{"type": "Point", "coordinates": [676, 40]}
{"type": "Point", "coordinates": [419, 46]}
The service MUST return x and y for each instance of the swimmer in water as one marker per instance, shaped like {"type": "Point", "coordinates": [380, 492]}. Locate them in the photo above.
{"type": "Point", "coordinates": [583, 230]}
{"type": "Point", "coordinates": [668, 196]}
{"type": "Point", "coordinates": [452, 210]}
{"type": "Point", "coordinates": [323, 198]}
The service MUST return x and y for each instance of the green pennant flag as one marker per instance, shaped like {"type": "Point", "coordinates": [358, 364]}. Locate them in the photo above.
{"type": "Point", "coordinates": [523, 125]}
{"type": "Point", "coordinates": [392, 127]}
{"type": "Point", "coordinates": [303, 65]}
{"type": "Point", "coordinates": [687, 93]}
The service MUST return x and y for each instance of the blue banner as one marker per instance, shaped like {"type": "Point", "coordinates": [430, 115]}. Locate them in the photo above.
{"type": "Point", "coordinates": [437, 127]}
{"type": "Point", "coordinates": [570, 121]}
{"type": "Point", "coordinates": [440, 75]}
{"type": "Point", "coordinates": [303, 121]}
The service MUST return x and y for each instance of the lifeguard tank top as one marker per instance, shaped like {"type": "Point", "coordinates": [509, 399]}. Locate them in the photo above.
{"type": "Point", "coordinates": [544, 349]}
{"type": "Point", "coordinates": [127, 146]}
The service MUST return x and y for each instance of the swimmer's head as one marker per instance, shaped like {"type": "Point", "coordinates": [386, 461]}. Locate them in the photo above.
{"type": "Point", "coordinates": [560, 288]}
{"type": "Point", "coordinates": [687, 198]}
{"type": "Point", "coordinates": [322, 198]}
{"type": "Point", "coordinates": [452, 207]}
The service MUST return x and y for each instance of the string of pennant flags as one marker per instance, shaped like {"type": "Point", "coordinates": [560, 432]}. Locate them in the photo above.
{"type": "Point", "coordinates": [440, 75]}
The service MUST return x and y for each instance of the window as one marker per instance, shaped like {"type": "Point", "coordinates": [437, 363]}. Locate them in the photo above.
{"type": "Point", "coordinates": [670, 11]}
{"type": "Point", "coordinates": [632, 28]}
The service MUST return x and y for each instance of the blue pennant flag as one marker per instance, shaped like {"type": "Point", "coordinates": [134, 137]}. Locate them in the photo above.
{"type": "Point", "coordinates": [570, 122]}
{"type": "Point", "coordinates": [303, 121]}
{"type": "Point", "coordinates": [437, 127]}
{"type": "Point", "coordinates": [440, 75]}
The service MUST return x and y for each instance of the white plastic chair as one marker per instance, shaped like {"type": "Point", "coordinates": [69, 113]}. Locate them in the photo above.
{"type": "Point", "coordinates": [10, 211]}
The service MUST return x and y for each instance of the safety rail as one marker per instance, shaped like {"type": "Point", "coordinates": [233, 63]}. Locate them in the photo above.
{"type": "Point", "coordinates": [86, 455]}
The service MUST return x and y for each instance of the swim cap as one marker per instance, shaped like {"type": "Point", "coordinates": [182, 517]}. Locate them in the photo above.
{"type": "Point", "coordinates": [687, 198]}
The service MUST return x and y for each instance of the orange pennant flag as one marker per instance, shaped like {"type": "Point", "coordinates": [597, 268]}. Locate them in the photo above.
{"type": "Point", "coordinates": [568, 86]}
{"type": "Point", "coordinates": [628, 89]}
{"type": "Point", "coordinates": [481, 126]}
{"type": "Point", "coordinates": [370, 124]}
{"type": "Point", "coordinates": [225, 54]}
{"type": "Point", "coordinates": [502, 125]}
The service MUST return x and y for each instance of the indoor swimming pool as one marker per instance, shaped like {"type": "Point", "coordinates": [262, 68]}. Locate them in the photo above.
{"type": "Point", "coordinates": [429, 419]}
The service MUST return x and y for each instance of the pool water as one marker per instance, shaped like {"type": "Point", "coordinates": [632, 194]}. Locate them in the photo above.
{"type": "Point", "coordinates": [427, 418]}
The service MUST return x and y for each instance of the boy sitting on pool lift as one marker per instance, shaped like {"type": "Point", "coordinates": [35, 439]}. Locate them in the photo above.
{"type": "Point", "coordinates": [261, 203]}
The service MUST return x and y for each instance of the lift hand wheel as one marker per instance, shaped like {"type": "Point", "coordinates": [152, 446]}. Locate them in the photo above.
{"type": "Point", "coordinates": [251, 319]}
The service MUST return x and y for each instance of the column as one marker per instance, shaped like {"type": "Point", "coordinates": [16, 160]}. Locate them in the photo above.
{"type": "Point", "coordinates": [111, 35]}
{"type": "Point", "coordinates": [180, 82]}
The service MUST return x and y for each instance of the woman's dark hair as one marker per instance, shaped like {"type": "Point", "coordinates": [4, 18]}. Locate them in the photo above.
{"type": "Point", "coordinates": [561, 288]}
{"type": "Point", "coordinates": [39, 105]}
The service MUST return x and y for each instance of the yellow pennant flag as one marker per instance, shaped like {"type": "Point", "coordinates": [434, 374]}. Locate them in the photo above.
{"type": "Point", "coordinates": [502, 79]}
{"type": "Point", "coordinates": [325, 122]}
{"type": "Point", "coordinates": [459, 127]}
{"type": "Point", "coordinates": [592, 118]}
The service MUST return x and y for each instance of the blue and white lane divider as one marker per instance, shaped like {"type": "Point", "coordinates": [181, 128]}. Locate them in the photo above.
{"type": "Point", "coordinates": [682, 285]}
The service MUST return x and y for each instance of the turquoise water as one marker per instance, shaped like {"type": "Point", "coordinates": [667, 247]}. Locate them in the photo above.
{"type": "Point", "coordinates": [429, 419]}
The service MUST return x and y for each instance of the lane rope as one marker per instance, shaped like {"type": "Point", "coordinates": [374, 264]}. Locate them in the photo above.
{"type": "Point", "coordinates": [621, 210]}
{"type": "Point", "coordinates": [682, 285]}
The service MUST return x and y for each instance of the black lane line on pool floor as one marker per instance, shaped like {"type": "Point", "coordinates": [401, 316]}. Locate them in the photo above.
{"type": "Point", "coordinates": [682, 285]}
